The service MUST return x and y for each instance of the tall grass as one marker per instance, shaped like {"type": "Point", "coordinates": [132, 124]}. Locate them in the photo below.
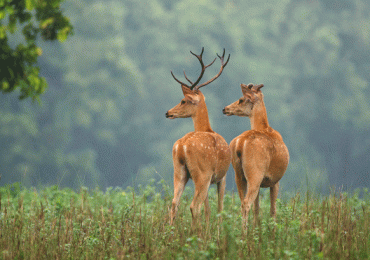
{"type": "Point", "coordinates": [121, 224]}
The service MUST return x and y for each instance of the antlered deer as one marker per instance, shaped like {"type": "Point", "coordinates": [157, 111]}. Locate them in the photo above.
{"type": "Point", "coordinates": [202, 155]}
{"type": "Point", "coordinates": [259, 156]}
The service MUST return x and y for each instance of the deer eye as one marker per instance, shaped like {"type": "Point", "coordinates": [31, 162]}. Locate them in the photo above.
{"type": "Point", "coordinates": [183, 102]}
{"type": "Point", "coordinates": [240, 101]}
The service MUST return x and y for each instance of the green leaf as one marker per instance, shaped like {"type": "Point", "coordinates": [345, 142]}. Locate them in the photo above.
{"type": "Point", "coordinates": [2, 32]}
{"type": "Point", "coordinates": [62, 34]}
{"type": "Point", "coordinates": [34, 81]}
{"type": "Point", "coordinates": [43, 85]}
{"type": "Point", "coordinates": [39, 51]}
{"type": "Point", "coordinates": [30, 4]}
{"type": "Point", "coordinates": [9, 9]}
{"type": "Point", "coordinates": [11, 73]}
{"type": "Point", "coordinates": [46, 23]}
{"type": "Point", "coordinates": [5, 86]}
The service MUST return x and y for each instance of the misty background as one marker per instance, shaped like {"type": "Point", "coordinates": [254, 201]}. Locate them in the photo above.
{"type": "Point", "coordinates": [102, 120]}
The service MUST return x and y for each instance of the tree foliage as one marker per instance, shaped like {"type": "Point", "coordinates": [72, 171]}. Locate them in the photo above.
{"type": "Point", "coordinates": [30, 20]}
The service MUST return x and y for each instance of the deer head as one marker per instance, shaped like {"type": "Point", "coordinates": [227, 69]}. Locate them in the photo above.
{"type": "Point", "coordinates": [188, 105]}
{"type": "Point", "coordinates": [252, 95]}
{"type": "Point", "coordinates": [194, 100]}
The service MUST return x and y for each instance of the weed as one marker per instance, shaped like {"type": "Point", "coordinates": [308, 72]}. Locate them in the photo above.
{"type": "Point", "coordinates": [55, 223]}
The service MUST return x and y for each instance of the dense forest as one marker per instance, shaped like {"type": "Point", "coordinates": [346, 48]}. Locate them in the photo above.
{"type": "Point", "coordinates": [101, 122]}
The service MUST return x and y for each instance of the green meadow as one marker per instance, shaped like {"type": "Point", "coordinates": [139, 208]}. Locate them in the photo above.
{"type": "Point", "coordinates": [53, 223]}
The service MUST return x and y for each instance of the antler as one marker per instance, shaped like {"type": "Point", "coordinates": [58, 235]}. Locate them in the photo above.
{"type": "Point", "coordinates": [199, 57]}
{"type": "Point", "coordinates": [257, 87]}
{"type": "Point", "coordinates": [223, 65]}
{"type": "Point", "coordinates": [187, 78]}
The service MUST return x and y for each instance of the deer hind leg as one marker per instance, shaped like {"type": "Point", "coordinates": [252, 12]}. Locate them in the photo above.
{"type": "Point", "coordinates": [252, 194]}
{"type": "Point", "coordinates": [207, 209]}
{"type": "Point", "coordinates": [221, 192]}
{"type": "Point", "coordinates": [180, 179]}
{"type": "Point", "coordinates": [200, 196]}
{"type": "Point", "coordinates": [256, 208]}
{"type": "Point", "coordinates": [274, 190]}
{"type": "Point", "coordinates": [241, 184]}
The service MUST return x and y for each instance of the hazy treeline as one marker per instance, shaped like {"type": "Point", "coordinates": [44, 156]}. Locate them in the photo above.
{"type": "Point", "coordinates": [102, 120]}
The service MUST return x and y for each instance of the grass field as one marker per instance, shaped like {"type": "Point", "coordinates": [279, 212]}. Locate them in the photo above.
{"type": "Point", "coordinates": [54, 223]}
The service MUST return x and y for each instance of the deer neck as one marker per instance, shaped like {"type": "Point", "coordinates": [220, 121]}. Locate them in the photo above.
{"type": "Point", "coordinates": [201, 120]}
{"type": "Point", "coordinates": [258, 117]}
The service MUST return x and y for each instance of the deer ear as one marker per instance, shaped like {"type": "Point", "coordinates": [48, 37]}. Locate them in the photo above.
{"type": "Point", "coordinates": [194, 99]}
{"type": "Point", "coordinates": [248, 93]}
{"type": "Point", "coordinates": [186, 90]}
{"type": "Point", "coordinates": [246, 90]}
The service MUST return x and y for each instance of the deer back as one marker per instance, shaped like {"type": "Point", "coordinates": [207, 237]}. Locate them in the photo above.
{"type": "Point", "coordinates": [203, 151]}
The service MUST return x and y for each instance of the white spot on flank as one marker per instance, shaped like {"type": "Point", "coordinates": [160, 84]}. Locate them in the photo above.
{"type": "Point", "coordinates": [176, 146]}
{"type": "Point", "coordinates": [201, 145]}
{"type": "Point", "coordinates": [184, 148]}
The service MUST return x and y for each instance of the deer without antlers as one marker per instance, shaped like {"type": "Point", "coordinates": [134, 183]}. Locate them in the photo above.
{"type": "Point", "coordinates": [259, 156]}
{"type": "Point", "coordinates": [202, 155]}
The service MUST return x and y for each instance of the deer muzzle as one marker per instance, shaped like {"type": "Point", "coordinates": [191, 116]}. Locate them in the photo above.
{"type": "Point", "coordinates": [226, 112]}
{"type": "Point", "coordinates": [168, 115]}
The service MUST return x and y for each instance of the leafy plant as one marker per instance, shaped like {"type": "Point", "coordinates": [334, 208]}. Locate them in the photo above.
{"type": "Point", "coordinates": [119, 224]}
{"type": "Point", "coordinates": [33, 19]}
